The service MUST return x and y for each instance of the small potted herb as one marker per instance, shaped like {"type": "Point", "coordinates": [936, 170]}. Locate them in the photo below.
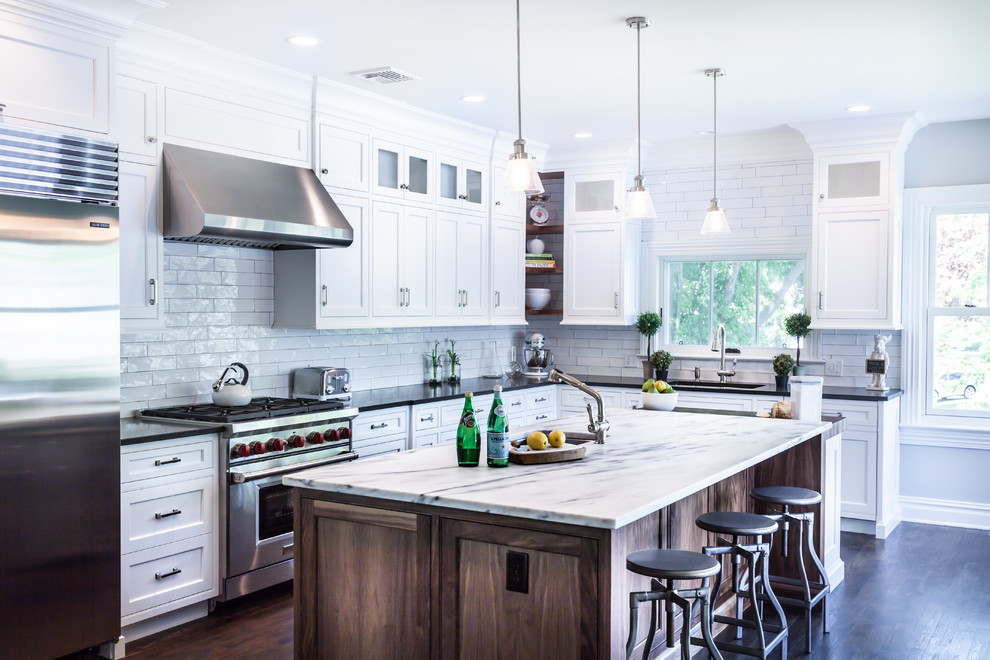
{"type": "Point", "coordinates": [454, 362]}
{"type": "Point", "coordinates": [798, 326]}
{"type": "Point", "coordinates": [648, 324]}
{"type": "Point", "coordinates": [783, 364]}
{"type": "Point", "coordinates": [436, 359]}
{"type": "Point", "coordinates": [661, 361]}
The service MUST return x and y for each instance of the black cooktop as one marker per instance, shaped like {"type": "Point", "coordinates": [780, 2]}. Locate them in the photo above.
{"type": "Point", "coordinates": [258, 408]}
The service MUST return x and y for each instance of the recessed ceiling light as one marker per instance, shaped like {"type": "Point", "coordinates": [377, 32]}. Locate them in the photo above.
{"type": "Point", "coordinates": [858, 108]}
{"type": "Point", "coordinates": [473, 98]}
{"type": "Point", "coordinates": [703, 132]}
{"type": "Point", "coordinates": [303, 41]}
{"type": "Point", "coordinates": [582, 135]}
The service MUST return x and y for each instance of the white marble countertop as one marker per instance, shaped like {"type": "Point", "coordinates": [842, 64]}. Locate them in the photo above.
{"type": "Point", "coordinates": [650, 460]}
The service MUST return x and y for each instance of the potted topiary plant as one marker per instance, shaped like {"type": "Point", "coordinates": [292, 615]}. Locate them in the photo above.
{"type": "Point", "coordinates": [648, 324]}
{"type": "Point", "coordinates": [797, 325]}
{"type": "Point", "coordinates": [783, 364]}
{"type": "Point", "coordinates": [661, 363]}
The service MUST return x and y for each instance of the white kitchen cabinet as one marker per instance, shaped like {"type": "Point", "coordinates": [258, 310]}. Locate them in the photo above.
{"type": "Point", "coordinates": [402, 171]}
{"type": "Point", "coordinates": [136, 119]}
{"type": "Point", "coordinates": [575, 402]}
{"type": "Point", "coordinates": [508, 283]}
{"type": "Point", "coordinates": [402, 272]}
{"type": "Point", "coordinates": [853, 180]}
{"type": "Point", "coordinates": [855, 271]}
{"type": "Point", "coordinates": [169, 520]}
{"type": "Point", "coordinates": [380, 431]}
{"type": "Point", "coordinates": [505, 203]}
{"type": "Point", "coordinates": [713, 401]}
{"type": "Point", "coordinates": [601, 283]}
{"type": "Point", "coordinates": [236, 127]}
{"type": "Point", "coordinates": [141, 248]}
{"type": "Point", "coordinates": [425, 424]}
{"type": "Point", "coordinates": [318, 288]}
{"type": "Point", "coordinates": [461, 266]}
{"type": "Point", "coordinates": [344, 159]}
{"type": "Point", "coordinates": [593, 197]}
{"type": "Point", "coordinates": [53, 81]}
{"type": "Point", "coordinates": [462, 184]}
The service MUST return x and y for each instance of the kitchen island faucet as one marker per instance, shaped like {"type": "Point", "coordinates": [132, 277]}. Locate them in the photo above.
{"type": "Point", "coordinates": [600, 426]}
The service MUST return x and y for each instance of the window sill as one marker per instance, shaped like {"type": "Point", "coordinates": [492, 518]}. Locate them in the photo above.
{"type": "Point", "coordinates": [953, 436]}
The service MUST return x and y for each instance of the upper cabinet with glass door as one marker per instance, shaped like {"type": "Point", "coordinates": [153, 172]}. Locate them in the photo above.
{"type": "Point", "coordinates": [462, 184]}
{"type": "Point", "coordinates": [403, 172]}
{"type": "Point", "coordinates": [592, 197]}
{"type": "Point", "coordinates": [854, 180]}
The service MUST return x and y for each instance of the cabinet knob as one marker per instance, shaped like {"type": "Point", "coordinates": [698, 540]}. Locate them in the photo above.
{"type": "Point", "coordinates": [464, 197]}
{"type": "Point", "coordinates": [3, 106]}
{"type": "Point", "coordinates": [498, 203]}
{"type": "Point", "coordinates": [152, 139]}
{"type": "Point", "coordinates": [821, 195]}
{"type": "Point", "coordinates": [324, 171]}
{"type": "Point", "coordinates": [404, 186]}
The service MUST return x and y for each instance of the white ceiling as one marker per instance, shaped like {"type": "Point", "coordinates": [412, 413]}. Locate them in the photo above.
{"type": "Point", "coordinates": [786, 60]}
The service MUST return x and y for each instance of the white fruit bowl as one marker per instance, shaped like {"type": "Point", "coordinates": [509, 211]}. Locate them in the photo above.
{"type": "Point", "coordinates": [653, 401]}
{"type": "Point", "coordinates": [537, 298]}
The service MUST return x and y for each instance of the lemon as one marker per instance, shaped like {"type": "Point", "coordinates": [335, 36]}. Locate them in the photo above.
{"type": "Point", "coordinates": [557, 438]}
{"type": "Point", "coordinates": [660, 385]}
{"type": "Point", "coordinates": [647, 385]}
{"type": "Point", "coordinates": [537, 440]}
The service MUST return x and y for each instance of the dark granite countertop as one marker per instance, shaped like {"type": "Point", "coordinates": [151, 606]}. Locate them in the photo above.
{"type": "Point", "coordinates": [411, 395]}
{"type": "Point", "coordinates": [828, 392]}
{"type": "Point", "coordinates": [135, 431]}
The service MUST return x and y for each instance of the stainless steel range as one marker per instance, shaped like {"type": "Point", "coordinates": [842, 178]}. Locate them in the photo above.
{"type": "Point", "coordinates": [261, 442]}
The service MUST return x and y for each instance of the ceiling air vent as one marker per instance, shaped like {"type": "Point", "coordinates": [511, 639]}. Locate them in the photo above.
{"type": "Point", "coordinates": [384, 75]}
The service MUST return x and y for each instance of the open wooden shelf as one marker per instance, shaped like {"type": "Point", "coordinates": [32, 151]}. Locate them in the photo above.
{"type": "Point", "coordinates": [544, 271]}
{"type": "Point", "coordinates": [536, 230]}
{"type": "Point", "coordinates": [544, 312]}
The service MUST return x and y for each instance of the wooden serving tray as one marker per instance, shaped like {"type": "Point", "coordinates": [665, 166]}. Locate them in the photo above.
{"type": "Point", "coordinates": [567, 452]}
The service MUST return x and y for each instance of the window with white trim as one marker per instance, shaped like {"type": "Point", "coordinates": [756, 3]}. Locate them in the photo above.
{"type": "Point", "coordinates": [750, 297]}
{"type": "Point", "coordinates": [957, 309]}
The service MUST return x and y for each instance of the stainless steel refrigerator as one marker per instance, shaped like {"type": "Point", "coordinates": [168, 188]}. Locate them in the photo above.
{"type": "Point", "coordinates": [59, 394]}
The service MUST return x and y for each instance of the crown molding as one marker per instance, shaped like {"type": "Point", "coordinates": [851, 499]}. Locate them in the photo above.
{"type": "Point", "coordinates": [99, 21]}
{"type": "Point", "coordinates": [893, 131]}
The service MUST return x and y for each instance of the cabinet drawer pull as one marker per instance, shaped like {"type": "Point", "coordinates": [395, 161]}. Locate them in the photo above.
{"type": "Point", "coordinates": [617, 300]}
{"type": "Point", "coordinates": [3, 106]}
{"type": "Point", "coordinates": [429, 418]}
{"type": "Point", "coordinates": [516, 403]}
{"type": "Point", "coordinates": [540, 400]}
{"type": "Point", "coordinates": [173, 512]}
{"type": "Point", "coordinates": [323, 300]}
{"type": "Point", "coordinates": [821, 300]}
{"type": "Point", "coordinates": [379, 426]}
{"type": "Point", "coordinates": [159, 462]}
{"type": "Point", "coordinates": [287, 549]}
{"type": "Point", "coordinates": [541, 417]}
{"type": "Point", "coordinates": [162, 576]}
{"type": "Point", "coordinates": [154, 292]}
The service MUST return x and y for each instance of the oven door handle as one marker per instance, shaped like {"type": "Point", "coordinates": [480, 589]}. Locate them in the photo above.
{"type": "Point", "coordinates": [242, 477]}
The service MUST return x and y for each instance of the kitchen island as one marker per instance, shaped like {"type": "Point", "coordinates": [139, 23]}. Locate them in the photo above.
{"type": "Point", "coordinates": [407, 555]}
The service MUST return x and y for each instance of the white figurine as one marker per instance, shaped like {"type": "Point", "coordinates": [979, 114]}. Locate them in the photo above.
{"type": "Point", "coordinates": [879, 381]}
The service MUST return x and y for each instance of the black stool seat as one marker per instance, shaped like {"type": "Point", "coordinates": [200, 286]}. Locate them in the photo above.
{"type": "Point", "coordinates": [789, 495]}
{"type": "Point", "coordinates": [735, 523]}
{"type": "Point", "coordinates": [672, 564]}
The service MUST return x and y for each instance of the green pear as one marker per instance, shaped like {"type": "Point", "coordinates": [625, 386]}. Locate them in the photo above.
{"type": "Point", "coordinates": [647, 385]}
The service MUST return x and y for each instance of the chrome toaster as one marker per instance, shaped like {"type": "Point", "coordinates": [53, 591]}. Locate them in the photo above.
{"type": "Point", "coordinates": [323, 383]}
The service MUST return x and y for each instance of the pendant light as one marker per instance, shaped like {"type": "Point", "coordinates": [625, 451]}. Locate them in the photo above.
{"type": "Point", "coordinates": [715, 222]}
{"type": "Point", "coordinates": [638, 203]}
{"type": "Point", "coordinates": [521, 174]}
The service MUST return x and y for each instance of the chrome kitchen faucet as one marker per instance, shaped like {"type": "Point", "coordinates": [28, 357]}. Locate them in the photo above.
{"type": "Point", "coordinates": [719, 346]}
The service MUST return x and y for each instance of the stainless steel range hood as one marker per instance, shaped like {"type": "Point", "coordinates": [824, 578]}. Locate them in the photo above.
{"type": "Point", "coordinates": [230, 200]}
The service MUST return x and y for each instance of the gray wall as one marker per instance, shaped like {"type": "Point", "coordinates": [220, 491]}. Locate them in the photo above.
{"type": "Point", "coordinates": [949, 154]}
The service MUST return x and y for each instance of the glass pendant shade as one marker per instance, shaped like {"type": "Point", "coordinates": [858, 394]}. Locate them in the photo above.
{"type": "Point", "coordinates": [639, 204]}
{"type": "Point", "coordinates": [521, 175]}
{"type": "Point", "coordinates": [715, 222]}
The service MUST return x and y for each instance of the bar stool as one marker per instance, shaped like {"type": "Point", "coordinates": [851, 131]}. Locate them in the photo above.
{"type": "Point", "coordinates": [737, 524]}
{"type": "Point", "coordinates": [670, 565]}
{"type": "Point", "coordinates": [813, 592]}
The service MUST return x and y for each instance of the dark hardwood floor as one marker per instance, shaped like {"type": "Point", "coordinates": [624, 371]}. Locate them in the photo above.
{"type": "Point", "coordinates": [923, 593]}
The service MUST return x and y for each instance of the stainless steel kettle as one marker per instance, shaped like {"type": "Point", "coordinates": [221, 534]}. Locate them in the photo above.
{"type": "Point", "coordinates": [230, 391]}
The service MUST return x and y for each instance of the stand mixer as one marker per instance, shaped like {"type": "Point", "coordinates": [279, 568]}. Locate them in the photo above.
{"type": "Point", "coordinates": [536, 357]}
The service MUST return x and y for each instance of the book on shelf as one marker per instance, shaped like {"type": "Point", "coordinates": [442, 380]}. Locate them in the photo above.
{"type": "Point", "coordinates": [541, 264]}
{"type": "Point", "coordinates": [542, 255]}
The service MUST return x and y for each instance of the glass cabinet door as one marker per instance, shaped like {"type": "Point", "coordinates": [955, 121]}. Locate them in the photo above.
{"type": "Point", "coordinates": [474, 186]}
{"type": "Point", "coordinates": [387, 176]}
{"type": "Point", "coordinates": [856, 180]}
{"type": "Point", "coordinates": [593, 196]}
{"type": "Point", "coordinates": [418, 175]}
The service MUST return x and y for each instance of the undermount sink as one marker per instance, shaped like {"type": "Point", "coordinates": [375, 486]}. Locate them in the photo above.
{"type": "Point", "coordinates": [714, 384]}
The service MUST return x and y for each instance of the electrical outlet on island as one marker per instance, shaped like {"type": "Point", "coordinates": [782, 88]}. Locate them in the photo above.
{"type": "Point", "coordinates": [833, 367]}
{"type": "Point", "coordinates": [633, 361]}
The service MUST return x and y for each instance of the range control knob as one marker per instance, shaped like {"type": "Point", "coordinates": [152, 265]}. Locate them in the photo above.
{"type": "Point", "coordinates": [257, 447]}
{"type": "Point", "coordinates": [345, 433]}
{"type": "Point", "coordinates": [329, 388]}
{"type": "Point", "coordinates": [315, 438]}
{"type": "Point", "coordinates": [275, 444]}
{"type": "Point", "coordinates": [346, 387]}
{"type": "Point", "coordinates": [240, 450]}
{"type": "Point", "coordinates": [296, 440]}
{"type": "Point", "coordinates": [333, 435]}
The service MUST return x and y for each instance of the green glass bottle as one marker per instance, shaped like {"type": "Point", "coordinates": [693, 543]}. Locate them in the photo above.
{"type": "Point", "coordinates": [468, 435]}
{"type": "Point", "coordinates": [498, 432]}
